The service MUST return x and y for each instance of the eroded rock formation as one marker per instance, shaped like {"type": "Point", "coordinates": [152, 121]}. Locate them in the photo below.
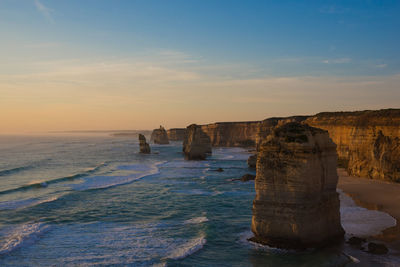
{"type": "Point", "coordinates": [296, 203]}
{"type": "Point", "coordinates": [176, 134]}
{"type": "Point", "coordinates": [197, 144]}
{"type": "Point", "coordinates": [143, 145]}
{"type": "Point", "coordinates": [159, 136]}
{"type": "Point", "coordinates": [367, 141]}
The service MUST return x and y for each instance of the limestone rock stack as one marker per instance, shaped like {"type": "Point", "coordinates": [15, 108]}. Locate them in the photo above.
{"type": "Point", "coordinates": [159, 136]}
{"type": "Point", "coordinates": [296, 203]}
{"type": "Point", "coordinates": [197, 144]}
{"type": "Point", "coordinates": [143, 145]}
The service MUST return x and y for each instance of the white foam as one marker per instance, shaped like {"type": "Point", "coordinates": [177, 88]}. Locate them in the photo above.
{"type": "Point", "coordinates": [362, 222]}
{"type": "Point", "coordinates": [121, 244]}
{"type": "Point", "coordinates": [99, 182]}
{"type": "Point", "coordinates": [188, 248]}
{"type": "Point", "coordinates": [196, 220]}
{"type": "Point", "coordinates": [23, 235]}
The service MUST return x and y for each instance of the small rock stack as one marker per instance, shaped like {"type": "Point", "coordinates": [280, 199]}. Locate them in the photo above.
{"type": "Point", "coordinates": [143, 145]}
{"type": "Point", "coordinates": [159, 136]}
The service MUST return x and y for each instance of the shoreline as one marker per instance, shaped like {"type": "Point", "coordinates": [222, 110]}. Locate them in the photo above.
{"type": "Point", "coordinates": [375, 195]}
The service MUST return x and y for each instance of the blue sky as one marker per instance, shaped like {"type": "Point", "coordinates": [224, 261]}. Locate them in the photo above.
{"type": "Point", "coordinates": [204, 45]}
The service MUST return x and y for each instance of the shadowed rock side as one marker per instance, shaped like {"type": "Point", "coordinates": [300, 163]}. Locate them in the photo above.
{"type": "Point", "coordinates": [296, 204]}
{"type": "Point", "coordinates": [367, 141]}
{"type": "Point", "coordinates": [159, 136]}
{"type": "Point", "coordinates": [197, 144]}
{"type": "Point", "coordinates": [143, 145]}
{"type": "Point", "coordinates": [176, 134]}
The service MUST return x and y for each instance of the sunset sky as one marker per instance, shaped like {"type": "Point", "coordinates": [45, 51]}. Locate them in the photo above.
{"type": "Point", "coordinates": [100, 64]}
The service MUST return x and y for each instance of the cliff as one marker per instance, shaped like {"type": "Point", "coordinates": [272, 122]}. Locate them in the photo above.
{"type": "Point", "coordinates": [197, 144]}
{"type": "Point", "coordinates": [296, 203]}
{"type": "Point", "coordinates": [159, 136]}
{"type": "Point", "coordinates": [231, 134]}
{"type": "Point", "coordinates": [367, 141]}
{"type": "Point", "coordinates": [176, 134]}
{"type": "Point", "coordinates": [144, 147]}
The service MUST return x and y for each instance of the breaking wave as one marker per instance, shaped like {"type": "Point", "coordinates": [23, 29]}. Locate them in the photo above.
{"type": "Point", "coordinates": [43, 184]}
{"type": "Point", "coordinates": [22, 235]}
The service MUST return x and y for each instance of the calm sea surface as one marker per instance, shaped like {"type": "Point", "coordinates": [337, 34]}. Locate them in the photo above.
{"type": "Point", "coordinates": [97, 201]}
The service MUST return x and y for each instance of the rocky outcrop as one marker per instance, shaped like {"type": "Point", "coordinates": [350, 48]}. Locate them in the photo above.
{"type": "Point", "coordinates": [252, 161]}
{"type": "Point", "coordinates": [367, 141]}
{"type": "Point", "coordinates": [296, 203]}
{"type": "Point", "coordinates": [143, 145]}
{"type": "Point", "coordinates": [159, 136]}
{"type": "Point", "coordinates": [197, 144]}
{"type": "Point", "coordinates": [176, 134]}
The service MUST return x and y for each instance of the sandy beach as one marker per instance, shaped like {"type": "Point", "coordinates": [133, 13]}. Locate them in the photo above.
{"type": "Point", "coordinates": [375, 195]}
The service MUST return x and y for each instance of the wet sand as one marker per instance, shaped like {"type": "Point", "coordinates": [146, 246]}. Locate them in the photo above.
{"type": "Point", "coordinates": [375, 195]}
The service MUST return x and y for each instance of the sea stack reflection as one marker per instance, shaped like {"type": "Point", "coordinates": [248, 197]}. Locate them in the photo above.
{"type": "Point", "coordinates": [296, 203]}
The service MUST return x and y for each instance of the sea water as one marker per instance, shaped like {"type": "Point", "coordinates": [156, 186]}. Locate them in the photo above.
{"type": "Point", "coordinates": [76, 200]}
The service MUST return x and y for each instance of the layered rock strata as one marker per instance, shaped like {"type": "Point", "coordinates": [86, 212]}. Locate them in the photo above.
{"type": "Point", "coordinates": [232, 134]}
{"type": "Point", "coordinates": [159, 136]}
{"type": "Point", "coordinates": [176, 134]}
{"type": "Point", "coordinates": [196, 144]}
{"type": "Point", "coordinates": [367, 141]}
{"type": "Point", "coordinates": [296, 203]}
{"type": "Point", "coordinates": [144, 147]}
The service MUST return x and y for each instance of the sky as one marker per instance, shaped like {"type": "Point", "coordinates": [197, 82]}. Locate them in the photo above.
{"type": "Point", "coordinates": [102, 65]}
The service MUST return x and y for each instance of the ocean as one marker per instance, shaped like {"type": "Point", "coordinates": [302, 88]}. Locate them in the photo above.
{"type": "Point", "coordinates": [94, 200]}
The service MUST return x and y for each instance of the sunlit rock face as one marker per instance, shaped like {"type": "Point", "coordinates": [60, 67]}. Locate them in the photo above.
{"type": "Point", "coordinates": [176, 134]}
{"type": "Point", "coordinates": [159, 136]}
{"type": "Point", "coordinates": [196, 144]}
{"type": "Point", "coordinates": [367, 141]}
{"type": "Point", "coordinates": [144, 147]}
{"type": "Point", "coordinates": [296, 203]}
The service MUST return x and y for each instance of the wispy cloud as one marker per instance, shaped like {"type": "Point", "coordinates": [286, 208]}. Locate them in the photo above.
{"type": "Point", "coordinates": [333, 9]}
{"type": "Point", "coordinates": [337, 60]}
{"type": "Point", "coordinates": [46, 11]}
{"type": "Point", "coordinates": [381, 66]}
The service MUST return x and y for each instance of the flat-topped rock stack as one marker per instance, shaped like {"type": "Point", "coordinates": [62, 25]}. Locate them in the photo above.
{"type": "Point", "coordinates": [296, 204]}
{"type": "Point", "coordinates": [144, 147]}
{"type": "Point", "coordinates": [159, 136]}
{"type": "Point", "coordinates": [196, 144]}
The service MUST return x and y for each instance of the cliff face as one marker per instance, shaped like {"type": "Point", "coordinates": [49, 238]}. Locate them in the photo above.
{"type": "Point", "coordinates": [176, 134]}
{"type": "Point", "coordinates": [144, 147]}
{"type": "Point", "coordinates": [197, 144]}
{"type": "Point", "coordinates": [159, 136]}
{"type": "Point", "coordinates": [232, 134]}
{"type": "Point", "coordinates": [296, 203]}
{"type": "Point", "coordinates": [367, 141]}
